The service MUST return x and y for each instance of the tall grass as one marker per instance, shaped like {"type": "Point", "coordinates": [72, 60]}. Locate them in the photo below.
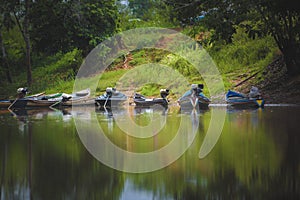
{"type": "Point", "coordinates": [243, 55]}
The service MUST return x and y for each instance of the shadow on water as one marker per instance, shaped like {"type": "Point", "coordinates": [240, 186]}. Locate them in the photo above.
{"type": "Point", "coordinates": [256, 156]}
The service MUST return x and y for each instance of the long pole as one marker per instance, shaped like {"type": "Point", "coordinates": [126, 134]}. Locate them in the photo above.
{"type": "Point", "coordinates": [105, 102]}
{"type": "Point", "coordinates": [12, 103]}
{"type": "Point", "coordinates": [51, 106]}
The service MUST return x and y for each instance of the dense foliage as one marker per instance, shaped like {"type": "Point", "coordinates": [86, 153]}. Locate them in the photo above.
{"type": "Point", "coordinates": [238, 34]}
{"type": "Point", "coordinates": [48, 27]}
{"type": "Point", "coordinates": [277, 18]}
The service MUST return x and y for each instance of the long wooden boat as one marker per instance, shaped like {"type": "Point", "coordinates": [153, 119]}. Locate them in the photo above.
{"type": "Point", "coordinates": [142, 101]}
{"type": "Point", "coordinates": [237, 99]}
{"type": "Point", "coordinates": [79, 98]}
{"type": "Point", "coordinates": [62, 99]}
{"type": "Point", "coordinates": [194, 98]}
{"type": "Point", "coordinates": [111, 98]}
{"type": "Point", "coordinates": [58, 99]}
{"type": "Point", "coordinates": [44, 100]}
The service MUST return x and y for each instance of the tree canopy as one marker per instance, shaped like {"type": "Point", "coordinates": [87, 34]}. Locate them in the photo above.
{"type": "Point", "coordinates": [51, 26]}
{"type": "Point", "coordinates": [260, 17]}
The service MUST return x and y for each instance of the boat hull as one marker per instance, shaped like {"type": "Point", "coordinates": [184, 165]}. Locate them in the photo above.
{"type": "Point", "coordinates": [20, 103]}
{"type": "Point", "coordinates": [109, 103]}
{"type": "Point", "coordinates": [150, 102]}
{"type": "Point", "coordinates": [200, 103]}
{"type": "Point", "coordinates": [246, 103]}
{"type": "Point", "coordinates": [188, 105]}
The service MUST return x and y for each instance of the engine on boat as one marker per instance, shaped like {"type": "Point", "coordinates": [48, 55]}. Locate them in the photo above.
{"type": "Point", "coordinates": [110, 91]}
{"type": "Point", "coordinates": [254, 92]}
{"type": "Point", "coordinates": [197, 88]}
{"type": "Point", "coordinates": [22, 92]}
{"type": "Point", "coordinates": [164, 93]}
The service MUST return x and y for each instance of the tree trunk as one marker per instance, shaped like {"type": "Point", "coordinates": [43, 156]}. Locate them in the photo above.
{"type": "Point", "coordinates": [292, 59]}
{"type": "Point", "coordinates": [27, 42]}
{"type": "Point", "coordinates": [4, 60]}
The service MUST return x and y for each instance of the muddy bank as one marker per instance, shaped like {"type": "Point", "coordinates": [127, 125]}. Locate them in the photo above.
{"type": "Point", "coordinates": [275, 86]}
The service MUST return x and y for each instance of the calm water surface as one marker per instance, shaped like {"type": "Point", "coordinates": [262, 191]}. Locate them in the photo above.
{"type": "Point", "coordinates": [255, 157]}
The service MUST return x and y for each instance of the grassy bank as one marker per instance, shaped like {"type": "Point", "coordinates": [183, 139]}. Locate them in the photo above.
{"type": "Point", "coordinates": [235, 61]}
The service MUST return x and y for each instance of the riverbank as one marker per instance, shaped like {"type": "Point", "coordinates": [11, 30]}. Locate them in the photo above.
{"type": "Point", "coordinates": [58, 76]}
{"type": "Point", "coordinates": [276, 87]}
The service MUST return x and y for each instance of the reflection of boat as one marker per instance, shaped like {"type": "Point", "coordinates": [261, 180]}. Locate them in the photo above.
{"type": "Point", "coordinates": [142, 101]}
{"type": "Point", "coordinates": [194, 98]}
{"type": "Point", "coordinates": [142, 110]}
{"type": "Point", "coordinates": [237, 99]}
{"type": "Point", "coordinates": [110, 98]}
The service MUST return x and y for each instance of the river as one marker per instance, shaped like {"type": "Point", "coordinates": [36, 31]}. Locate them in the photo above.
{"type": "Point", "coordinates": [49, 154]}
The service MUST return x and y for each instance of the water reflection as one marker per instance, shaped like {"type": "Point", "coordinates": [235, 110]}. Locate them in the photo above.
{"type": "Point", "coordinates": [256, 156]}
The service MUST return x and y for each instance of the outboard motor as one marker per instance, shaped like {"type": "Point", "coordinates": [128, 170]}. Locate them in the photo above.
{"type": "Point", "coordinates": [196, 89]}
{"type": "Point", "coordinates": [199, 89]}
{"type": "Point", "coordinates": [254, 92]}
{"type": "Point", "coordinates": [164, 93]}
{"type": "Point", "coordinates": [66, 97]}
{"type": "Point", "coordinates": [201, 86]}
{"type": "Point", "coordinates": [109, 92]}
{"type": "Point", "coordinates": [22, 92]}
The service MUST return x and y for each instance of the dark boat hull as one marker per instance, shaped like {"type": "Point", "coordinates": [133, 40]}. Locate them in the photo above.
{"type": "Point", "coordinates": [109, 103]}
{"type": "Point", "coordinates": [20, 103]}
{"type": "Point", "coordinates": [150, 102]}
{"type": "Point", "coordinates": [247, 103]}
{"type": "Point", "coordinates": [189, 105]}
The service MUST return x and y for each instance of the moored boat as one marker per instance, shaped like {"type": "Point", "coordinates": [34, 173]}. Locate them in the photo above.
{"type": "Point", "coordinates": [41, 100]}
{"type": "Point", "coordinates": [142, 101]}
{"type": "Point", "coordinates": [110, 98]}
{"type": "Point", "coordinates": [80, 98]}
{"type": "Point", "coordinates": [194, 98]}
{"type": "Point", "coordinates": [21, 99]}
{"type": "Point", "coordinates": [237, 99]}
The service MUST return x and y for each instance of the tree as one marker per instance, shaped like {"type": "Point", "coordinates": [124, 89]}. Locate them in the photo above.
{"type": "Point", "coordinates": [21, 12]}
{"type": "Point", "coordinates": [282, 21]}
{"type": "Point", "coordinates": [276, 17]}
{"type": "Point", "coordinates": [7, 23]}
{"type": "Point", "coordinates": [64, 25]}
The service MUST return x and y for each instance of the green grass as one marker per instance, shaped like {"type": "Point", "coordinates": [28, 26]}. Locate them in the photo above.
{"type": "Point", "coordinates": [235, 61]}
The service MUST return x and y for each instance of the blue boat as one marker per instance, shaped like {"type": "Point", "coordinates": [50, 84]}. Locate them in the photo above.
{"type": "Point", "coordinates": [194, 98]}
{"type": "Point", "coordinates": [236, 99]}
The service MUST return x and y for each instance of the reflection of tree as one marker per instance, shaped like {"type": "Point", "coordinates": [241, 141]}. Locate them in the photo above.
{"type": "Point", "coordinates": [30, 159]}
{"type": "Point", "coordinates": [246, 163]}
{"type": "Point", "coordinates": [64, 169]}
{"type": "Point", "coordinates": [57, 166]}
{"type": "Point", "coordinates": [260, 162]}
{"type": "Point", "coordinates": [13, 168]}
{"type": "Point", "coordinates": [4, 157]}
{"type": "Point", "coordinates": [284, 127]}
